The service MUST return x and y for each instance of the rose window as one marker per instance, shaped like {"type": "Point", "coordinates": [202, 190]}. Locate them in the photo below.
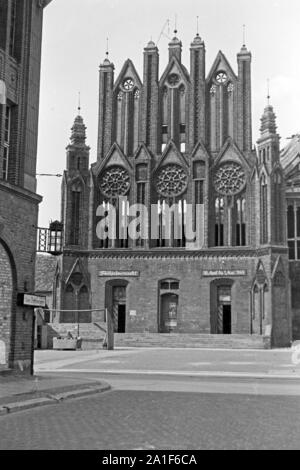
{"type": "Point", "coordinates": [128, 84]}
{"type": "Point", "coordinates": [115, 182]}
{"type": "Point", "coordinates": [173, 79]}
{"type": "Point", "coordinates": [171, 181]}
{"type": "Point", "coordinates": [221, 77]}
{"type": "Point", "coordinates": [229, 179]}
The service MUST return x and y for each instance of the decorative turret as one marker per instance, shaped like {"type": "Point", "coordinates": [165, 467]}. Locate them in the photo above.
{"type": "Point", "coordinates": [197, 114]}
{"type": "Point", "coordinates": [175, 47]}
{"type": "Point", "coordinates": [78, 135]}
{"type": "Point", "coordinates": [268, 121]}
{"type": "Point", "coordinates": [105, 128]}
{"type": "Point", "coordinates": [244, 59]}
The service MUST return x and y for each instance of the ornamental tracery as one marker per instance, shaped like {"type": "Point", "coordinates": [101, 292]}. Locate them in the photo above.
{"type": "Point", "coordinates": [229, 179]}
{"type": "Point", "coordinates": [114, 182]}
{"type": "Point", "coordinates": [171, 181]}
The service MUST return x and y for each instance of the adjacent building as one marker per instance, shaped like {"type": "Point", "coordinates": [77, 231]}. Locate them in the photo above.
{"type": "Point", "coordinates": [20, 58]}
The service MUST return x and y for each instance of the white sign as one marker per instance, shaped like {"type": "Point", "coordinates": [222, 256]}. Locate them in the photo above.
{"type": "Point", "coordinates": [2, 353]}
{"type": "Point", "coordinates": [132, 313]}
{"type": "Point", "coordinates": [34, 300]}
{"type": "Point", "coordinates": [225, 273]}
{"type": "Point", "coordinates": [119, 273]}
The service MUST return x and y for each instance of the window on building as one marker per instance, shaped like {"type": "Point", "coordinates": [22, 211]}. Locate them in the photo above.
{"type": "Point", "coordinates": [263, 210]}
{"type": "Point", "coordinates": [219, 225]}
{"type": "Point", "coordinates": [240, 222]}
{"type": "Point", "coordinates": [164, 129]}
{"type": "Point", "coordinates": [293, 230]}
{"type": "Point", "coordinates": [75, 216]}
{"type": "Point", "coordinates": [169, 284]}
{"type": "Point", "coordinates": [6, 150]}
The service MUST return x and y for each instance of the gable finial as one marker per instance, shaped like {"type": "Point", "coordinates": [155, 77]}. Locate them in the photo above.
{"type": "Point", "coordinates": [197, 25]}
{"type": "Point", "coordinates": [268, 97]}
{"type": "Point", "coordinates": [175, 30]}
{"type": "Point", "coordinates": [107, 49]}
{"type": "Point", "coordinates": [79, 104]}
{"type": "Point", "coordinates": [244, 35]}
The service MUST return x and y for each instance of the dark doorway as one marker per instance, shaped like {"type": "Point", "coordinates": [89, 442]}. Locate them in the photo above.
{"type": "Point", "coordinates": [226, 319]}
{"type": "Point", "coordinates": [168, 313]}
{"type": "Point", "coordinates": [121, 318]}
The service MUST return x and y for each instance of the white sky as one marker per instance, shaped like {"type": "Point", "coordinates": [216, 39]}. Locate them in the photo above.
{"type": "Point", "coordinates": [74, 44]}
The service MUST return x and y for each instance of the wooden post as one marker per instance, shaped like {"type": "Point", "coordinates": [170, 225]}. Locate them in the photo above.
{"type": "Point", "coordinates": [110, 330]}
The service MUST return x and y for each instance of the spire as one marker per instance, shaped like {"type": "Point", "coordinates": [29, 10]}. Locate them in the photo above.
{"type": "Point", "coordinates": [197, 42]}
{"type": "Point", "coordinates": [78, 135]}
{"type": "Point", "coordinates": [268, 121]}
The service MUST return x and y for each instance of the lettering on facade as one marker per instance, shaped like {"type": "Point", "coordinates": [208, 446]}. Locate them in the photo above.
{"type": "Point", "coordinates": [119, 273]}
{"type": "Point", "coordinates": [225, 273]}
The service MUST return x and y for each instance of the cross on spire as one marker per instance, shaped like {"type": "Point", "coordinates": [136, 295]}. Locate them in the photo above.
{"type": "Point", "coordinates": [244, 35]}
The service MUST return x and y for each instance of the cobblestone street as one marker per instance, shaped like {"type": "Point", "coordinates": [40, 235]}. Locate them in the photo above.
{"type": "Point", "coordinates": [157, 420]}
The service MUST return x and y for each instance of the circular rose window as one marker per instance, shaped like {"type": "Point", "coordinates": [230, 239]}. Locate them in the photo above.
{"type": "Point", "coordinates": [221, 77]}
{"type": "Point", "coordinates": [171, 181]}
{"type": "Point", "coordinates": [173, 79]}
{"type": "Point", "coordinates": [114, 182]}
{"type": "Point", "coordinates": [128, 84]}
{"type": "Point", "coordinates": [229, 179]}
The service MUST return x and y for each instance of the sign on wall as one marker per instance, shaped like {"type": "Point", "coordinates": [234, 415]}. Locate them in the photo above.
{"type": "Point", "coordinates": [225, 273]}
{"type": "Point", "coordinates": [31, 300]}
{"type": "Point", "coordinates": [119, 273]}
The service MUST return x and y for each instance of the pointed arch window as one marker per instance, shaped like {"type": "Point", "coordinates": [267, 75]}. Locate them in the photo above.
{"type": "Point", "coordinates": [240, 227]}
{"type": "Point", "coordinates": [219, 221]}
{"type": "Point", "coordinates": [75, 214]}
{"type": "Point", "coordinates": [263, 210]}
{"type": "Point", "coordinates": [278, 200]}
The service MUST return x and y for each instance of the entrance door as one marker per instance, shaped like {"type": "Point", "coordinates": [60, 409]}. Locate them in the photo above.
{"type": "Point", "coordinates": [168, 313]}
{"type": "Point", "coordinates": [224, 323]}
{"type": "Point", "coordinates": [226, 319]}
{"type": "Point", "coordinates": [121, 318]}
{"type": "Point", "coordinates": [119, 309]}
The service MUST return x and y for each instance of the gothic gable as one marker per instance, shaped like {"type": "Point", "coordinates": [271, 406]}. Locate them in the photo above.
{"type": "Point", "coordinates": [221, 64]}
{"type": "Point", "coordinates": [278, 276]}
{"type": "Point", "coordinates": [175, 67]}
{"type": "Point", "coordinates": [172, 156]}
{"type": "Point", "coordinates": [77, 275]}
{"type": "Point", "coordinates": [128, 71]}
{"type": "Point", "coordinates": [260, 276]}
{"type": "Point", "coordinates": [200, 152]}
{"type": "Point", "coordinates": [230, 152]}
{"type": "Point", "coordinates": [142, 154]}
{"type": "Point", "coordinates": [115, 157]}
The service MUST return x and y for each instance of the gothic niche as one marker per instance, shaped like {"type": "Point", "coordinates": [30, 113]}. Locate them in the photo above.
{"type": "Point", "coordinates": [114, 182]}
{"type": "Point", "coordinates": [229, 179]}
{"type": "Point", "coordinates": [171, 181]}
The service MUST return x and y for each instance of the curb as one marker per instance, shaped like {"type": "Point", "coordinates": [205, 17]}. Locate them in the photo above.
{"type": "Point", "coordinates": [56, 398]}
{"type": "Point", "coordinates": [169, 373]}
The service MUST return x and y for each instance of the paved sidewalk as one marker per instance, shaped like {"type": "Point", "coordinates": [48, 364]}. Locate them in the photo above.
{"type": "Point", "coordinates": [19, 393]}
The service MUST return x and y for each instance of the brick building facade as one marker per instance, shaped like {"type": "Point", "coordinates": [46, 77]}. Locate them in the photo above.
{"type": "Point", "coordinates": [184, 138]}
{"type": "Point", "coordinates": [20, 58]}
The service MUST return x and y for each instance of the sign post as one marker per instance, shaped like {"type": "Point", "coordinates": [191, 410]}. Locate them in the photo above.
{"type": "Point", "coordinates": [110, 330]}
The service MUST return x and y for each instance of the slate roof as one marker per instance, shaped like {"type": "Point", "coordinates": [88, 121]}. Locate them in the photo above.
{"type": "Point", "coordinates": [290, 161]}
{"type": "Point", "coordinates": [45, 267]}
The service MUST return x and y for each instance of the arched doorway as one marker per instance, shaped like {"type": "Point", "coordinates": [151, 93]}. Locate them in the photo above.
{"type": "Point", "coordinates": [168, 305]}
{"type": "Point", "coordinates": [6, 296]}
{"type": "Point", "coordinates": [221, 307]}
{"type": "Point", "coordinates": [116, 302]}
